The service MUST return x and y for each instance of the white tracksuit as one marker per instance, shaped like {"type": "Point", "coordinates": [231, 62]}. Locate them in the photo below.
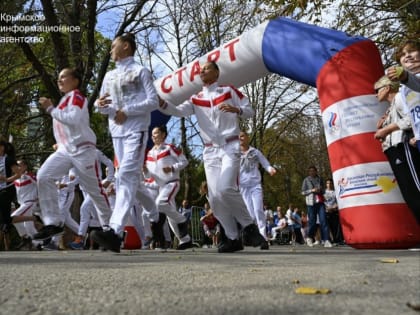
{"type": "Point", "coordinates": [220, 133]}
{"type": "Point", "coordinates": [157, 158]}
{"type": "Point", "coordinates": [131, 89]}
{"type": "Point", "coordinates": [27, 197]}
{"type": "Point", "coordinates": [87, 208]}
{"type": "Point", "coordinates": [250, 185]}
{"type": "Point", "coordinates": [66, 198]}
{"type": "Point", "coordinates": [76, 148]}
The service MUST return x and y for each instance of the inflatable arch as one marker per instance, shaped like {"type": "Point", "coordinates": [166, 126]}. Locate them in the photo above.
{"type": "Point", "coordinates": [343, 69]}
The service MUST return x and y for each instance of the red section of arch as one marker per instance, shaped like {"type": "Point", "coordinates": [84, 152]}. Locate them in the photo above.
{"type": "Point", "coordinates": [356, 149]}
{"type": "Point", "coordinates": [374, 226]}
{"type": "Point", "coordinates": [351, 72]}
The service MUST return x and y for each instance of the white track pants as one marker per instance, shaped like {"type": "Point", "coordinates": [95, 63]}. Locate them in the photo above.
{"type": "Point", "coordinates": [55, 167]}
{"type": "Point", "coordinates": [253, 198]}
{"type": "Point", "coordinates": [87, 213]}
{"type": "Point", "coordinates": [165, 203]}
{"type": "Point", "coordinates": [129, 183]}
{"type": "Point", "coordinates": [221, 165]}
{"type": "Point", "coordinates": [28, 227]}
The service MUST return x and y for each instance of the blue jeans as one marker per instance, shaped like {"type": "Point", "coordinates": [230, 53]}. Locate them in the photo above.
{"type": "Point", "coordinates": [313, 211]}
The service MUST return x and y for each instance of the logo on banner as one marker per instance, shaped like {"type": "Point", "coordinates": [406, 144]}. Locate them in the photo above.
{"type": "Point", "coordinates": [366, 184]}
{"type": "Point", "coordinates": [333, 125]}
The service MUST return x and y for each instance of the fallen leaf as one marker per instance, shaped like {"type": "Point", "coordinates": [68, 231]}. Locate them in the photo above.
{"type": "Point", "coordinates": [309, 290]}
{"type": "Point", "coordinates": [390, 260]}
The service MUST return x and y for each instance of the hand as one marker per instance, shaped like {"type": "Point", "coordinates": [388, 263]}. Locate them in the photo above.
{"type": "Point", "coordinates": [120, 117]}
{"type": "Point", "coordinates": [103, 101]}
{"type": "Point", "coordinates": [227, 108]}
{"type": "Point", "coordinates": [381, 121]}
{"type": "Point", "coordinates": [106, 183]}
{"type": "Point", "coordinates": [168, 169]}
{"type": "Point", "coordinates": [396, 73]}
{"type": "Point", "coordinates": [413, 142]}
{"type": "Point", "coordinates": [45, 102]}
{"type": "Point", "coordinates": [161, 101]}
{"type": "Point", "coordinates": [381, 134]}
{"type": "Point", "coordinates": [272, 172]}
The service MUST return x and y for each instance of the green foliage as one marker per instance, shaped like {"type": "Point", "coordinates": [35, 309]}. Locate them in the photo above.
{"type": "Point", "coordinates": [286, 128]}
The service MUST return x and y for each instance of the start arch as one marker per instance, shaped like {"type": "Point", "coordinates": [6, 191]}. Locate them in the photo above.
{"type": "Point", "coordinates": [343, 69]}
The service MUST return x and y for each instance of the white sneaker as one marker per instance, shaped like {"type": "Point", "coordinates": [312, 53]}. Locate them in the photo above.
{"type": "Point", "coordinates": [328, 244]}
{"type": "Point", "coordinates": [309, 242]}
{"type": "Point", "coordinates": [317, 243]}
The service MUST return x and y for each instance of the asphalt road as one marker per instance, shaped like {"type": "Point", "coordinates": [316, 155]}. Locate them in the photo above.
{"type": "Point", "coordinates": [201, 281]}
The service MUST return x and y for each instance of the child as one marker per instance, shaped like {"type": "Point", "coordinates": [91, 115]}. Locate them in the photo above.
{"type": "Point", "coordinates": [211, 226]}
{"type": "Point", "coordinates": [27, 197]}
{"type": "Point", "coordinates": [408, 55]}
{"type": "Point", "coordinates": [250, 182]}
{"type": "Point", "coordinates": [163, 163]}
{"type": "Point", "coordinates": [76, 149]}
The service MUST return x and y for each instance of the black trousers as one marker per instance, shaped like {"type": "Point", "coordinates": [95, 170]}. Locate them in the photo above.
{"type": "Point", "coordinates": [7, 196]}
{"type": "Point", "coordinates": [333, 220]}
{"type": "Point", "coordinates": [405, 163]}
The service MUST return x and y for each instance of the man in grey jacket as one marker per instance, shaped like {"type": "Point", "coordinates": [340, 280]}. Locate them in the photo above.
{"type": "Point", "coordinates": [313, 189]}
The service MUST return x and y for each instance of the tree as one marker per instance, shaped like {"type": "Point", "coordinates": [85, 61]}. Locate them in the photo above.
{"type": "Point", "coordinates": [39, 62]}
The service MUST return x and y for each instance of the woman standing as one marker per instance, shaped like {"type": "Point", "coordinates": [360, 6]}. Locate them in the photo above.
{"type": "Point", "coordinates": [331, 208]}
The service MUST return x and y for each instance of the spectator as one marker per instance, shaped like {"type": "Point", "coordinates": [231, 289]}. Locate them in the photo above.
{"type": "Point", "coordinates": [269, 217]}
{"type": "Point", "coordinates": [185, 209]}
{"type": "Point", "coordinates": [408, 55]}
{"type": "Point", "coordinates": [281, 226]}
{"type": "Point", "coordinates": [392, 132]}
{"type": "Point", "coordinates": [211, 226]}
{"type": "Point", "coordinates": [297, 226]}
{"type": "Point", "coordinates": [313, 190]}
{"type": "Point", "coordinates": [331, 208]}
{"type": "Point", "coordinates": [9, 172]}
{"type": "Point", "coordinates": [276, 217]}
{"type": "Point", "coordinates": [276, 214]}
{"type": "Point", "coordinates": [304, 228]}
{"type": "Point", "coordinates": [294, 223]}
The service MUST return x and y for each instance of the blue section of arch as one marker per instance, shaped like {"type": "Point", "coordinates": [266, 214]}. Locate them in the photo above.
{"type": "Point", "coordinates": [298, 50]}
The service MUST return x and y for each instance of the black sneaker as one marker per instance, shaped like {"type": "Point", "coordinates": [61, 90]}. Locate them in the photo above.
{"type": "Point", "coordinates": [48, 231]}
{"type": "Point", "coordinates": [107, 240]}
{"type": "Point", "coordinates": [230, 246]}
{"type": "Point", "coordinates": [26, 242]}
{"type": "Point", "coordinates": [251, 236]}
{"type": "Point", "coordinates": [157, 230]}
{"type": "Point", "coordinates": [264, 245]}
{"type": "Point", "coordinates": [185, 245]}
{"type": "Point", "coordinates": [183, 228]}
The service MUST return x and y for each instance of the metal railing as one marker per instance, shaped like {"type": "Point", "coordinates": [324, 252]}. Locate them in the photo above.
{"type": "Point", "coordinates": [197, 232]}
